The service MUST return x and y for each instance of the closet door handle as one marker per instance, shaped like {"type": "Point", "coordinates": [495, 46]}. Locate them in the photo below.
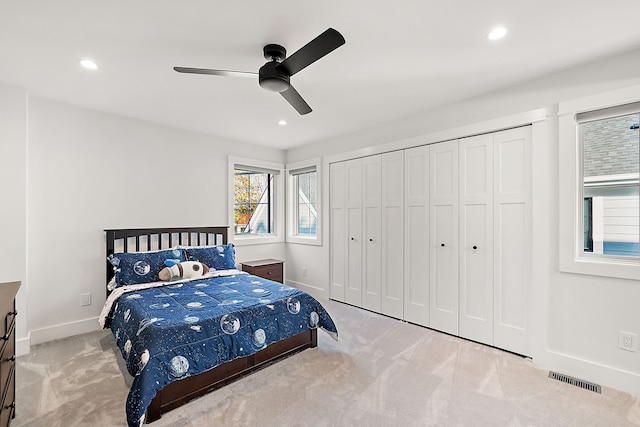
{"type": "Point", "coordinates": [475, 247]}
{"type": "Point", "coordinates": [442, 244]}
{"type": "Point", "coordinates": [353, 238]}
{"type": "Point", "coordinates": [371, 240]}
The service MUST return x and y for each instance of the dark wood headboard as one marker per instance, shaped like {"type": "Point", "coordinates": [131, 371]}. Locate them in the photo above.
{"type": "Point", "coordinates": [149, 239]}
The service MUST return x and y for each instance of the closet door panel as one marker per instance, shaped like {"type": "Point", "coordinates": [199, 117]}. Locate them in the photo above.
{"type": "Point", "coordinates": [444, 237]}
{"type": "Point", "coordinates": [476, 238]}
{"type": "Point", "coordinates": [416, 236]}
{"type": "Point", "coordinates": [444, 271]}
{"type": "Point", "coordinates": [338, 227]}
{"type": "Point", "coordinates": [512, 234]}
{"type": "Point", "coordinates": [371, 222]}
{"type": "Point", "coordinates": [511, 290]}
{"type": "Point", "coordinates": [372, 257]}
{"type": "Point", "coordinates": [392, 262]}
{"type": "Point", "coordinates": [353, 291]}
{"type": "Point", "coordinates": [476, 275]}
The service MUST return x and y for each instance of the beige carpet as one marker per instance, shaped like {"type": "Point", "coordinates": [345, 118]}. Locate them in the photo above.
{"type": "Point", "coordinates": [382, 372]}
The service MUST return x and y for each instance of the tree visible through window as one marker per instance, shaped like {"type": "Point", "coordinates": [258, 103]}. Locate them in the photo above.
{"type": "Point", "coordinates": [253, 202]}
{"type": "Point", "coordinates": [611, 166]}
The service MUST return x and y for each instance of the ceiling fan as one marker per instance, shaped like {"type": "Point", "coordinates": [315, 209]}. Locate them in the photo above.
{"type": "Point", "coordinates": [275, 74]}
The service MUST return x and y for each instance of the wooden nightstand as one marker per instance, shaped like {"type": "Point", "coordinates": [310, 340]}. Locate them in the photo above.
{"type": "Point", "coordinates": [271, 269]}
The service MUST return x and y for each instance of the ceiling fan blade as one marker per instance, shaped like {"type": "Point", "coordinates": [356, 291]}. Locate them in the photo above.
{"type": "Point", "coordinates": [216, 72]}
{"type": "Point", "coordinates": [293, 97]}
{"type": "Point", "coordinates": [325, 43]}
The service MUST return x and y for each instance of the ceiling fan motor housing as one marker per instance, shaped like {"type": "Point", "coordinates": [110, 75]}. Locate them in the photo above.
{"type": "Point", "coordinates": [271, 77]}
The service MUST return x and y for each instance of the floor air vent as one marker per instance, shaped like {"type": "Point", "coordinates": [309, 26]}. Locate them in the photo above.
{"type": "Point", "coordinates": [576, 382]}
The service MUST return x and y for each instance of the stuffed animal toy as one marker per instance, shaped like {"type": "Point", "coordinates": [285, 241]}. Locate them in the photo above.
{"type": "Point", "coordinates": [182, 270]}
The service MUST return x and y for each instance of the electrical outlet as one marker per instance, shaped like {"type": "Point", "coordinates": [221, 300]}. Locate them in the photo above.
{"type": "Point", "coordinates": [85, 299]}
{"type": "Point", "coordinates": [628, 341]}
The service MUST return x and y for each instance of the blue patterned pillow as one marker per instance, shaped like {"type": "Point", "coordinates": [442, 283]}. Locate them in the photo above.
{"type": "Point", "coordinates": [141, 267]}
{"type": "Point", "coordinates": [220, 257]}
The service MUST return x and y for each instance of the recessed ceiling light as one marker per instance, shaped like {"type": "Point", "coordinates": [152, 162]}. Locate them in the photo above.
{"type": "Point", "coordinates": [497, 33]}
{"type": "Point", "coordinates": [282, 122]}
{"type": "Point", "coordinates": [87, 63]}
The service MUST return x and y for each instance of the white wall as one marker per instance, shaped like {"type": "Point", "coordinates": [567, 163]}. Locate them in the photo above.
{"type": "Point", "coordinates": [312, 259]}
{"type": "Point", "coordinates": [13, 210]}
{"type": "Point", "coordinates": [89, 171]}
{"type": "Point", "coordinates": [576, 318]}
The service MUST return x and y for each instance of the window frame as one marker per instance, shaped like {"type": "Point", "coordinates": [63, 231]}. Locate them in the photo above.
{"type": "Point", "coordinates": [571, 228]}
{"type": "Point", "coordinates": [292, 204]}
{"type": "Point", "coordinates": [277, 169]}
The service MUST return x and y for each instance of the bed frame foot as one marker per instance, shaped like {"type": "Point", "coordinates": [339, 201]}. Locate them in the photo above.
{"type": "Point", "coordinates": [180, 392]}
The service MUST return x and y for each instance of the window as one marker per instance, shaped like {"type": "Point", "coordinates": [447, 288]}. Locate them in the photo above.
{"type": "Point", "coordinates": [304, 203]}
{"type": "Point", "coordinates": [610, 164]}
{"type": "Point", "coordinates": [256, 206]}
{"type": "Point", "coordinates": [599, 169]}
{"type": "Point", "coordinates": [305, 219]}
{"type": "Point", "coordinates": [252, 202]}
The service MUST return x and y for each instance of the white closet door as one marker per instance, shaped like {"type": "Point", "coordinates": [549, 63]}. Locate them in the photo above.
{"type": "Point", "coordinates": [444, 237]}
{"type": "Point", "coordinates": [392, 262]}
{"type": "Point", "coordinates": [476, 238]}
{"type": "Point", "coordinates": [338, 217]}
{"type": "Point", "coordinates": [512, 237]}
{"type": "Point", "coordinates": [372, 243]}
{"type": "Point", "coordinates": [353, 291]}
{"type": "Point", "coordinates": [416, 236]}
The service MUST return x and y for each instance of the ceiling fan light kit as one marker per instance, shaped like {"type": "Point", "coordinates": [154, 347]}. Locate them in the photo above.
{"type": "Point", "coordinates": [275, 75]}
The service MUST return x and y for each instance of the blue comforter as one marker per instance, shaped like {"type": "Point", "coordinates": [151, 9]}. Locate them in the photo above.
{"type": "Point", "coordinates": [169, 332]}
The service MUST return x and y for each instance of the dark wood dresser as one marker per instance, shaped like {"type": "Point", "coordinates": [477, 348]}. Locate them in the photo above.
{"type": "Point", "coordinates": [8, 314]}
{"type": "Point", "coordinates": [271, 269]}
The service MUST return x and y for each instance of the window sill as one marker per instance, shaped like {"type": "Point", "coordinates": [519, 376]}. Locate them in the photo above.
{"type": "Point", "coordinates": [600, 266]}
{"type": "Point", "coordinates": [314, 241]}
{"type": "Point", "coordinates": [240, 240]}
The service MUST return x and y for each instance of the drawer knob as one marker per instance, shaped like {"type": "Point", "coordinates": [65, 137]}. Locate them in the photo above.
{"type": "Point", "coordinates": [475, 247]}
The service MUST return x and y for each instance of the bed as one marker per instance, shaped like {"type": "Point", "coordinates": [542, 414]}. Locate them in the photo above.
{"type": "Point", "coordinates": [186, 337]}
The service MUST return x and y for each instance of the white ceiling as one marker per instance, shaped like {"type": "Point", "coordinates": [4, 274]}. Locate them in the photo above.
{"type": "Point", "coordinates": [400, 57]}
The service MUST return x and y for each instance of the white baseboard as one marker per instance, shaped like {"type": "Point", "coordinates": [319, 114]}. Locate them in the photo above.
{"type": "Point", "coordinates": [587, 370]}
{"type": "Point", "coordinates": [317, 293]}
{"type": "Point", "coordinates": [64, 330]}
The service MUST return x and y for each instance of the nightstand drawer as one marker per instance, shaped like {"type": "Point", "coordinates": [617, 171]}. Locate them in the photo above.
{"type": "Point", "coordinates": [273, 272]}
{"type": "Point", "coordinates": [8, 407]}
{"type": "Point", "coordinates": [7, 360]}
{"type": "Point", "coordinates": [8, 324]}
{"type": "Point", "coordinates": [271, 269]}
